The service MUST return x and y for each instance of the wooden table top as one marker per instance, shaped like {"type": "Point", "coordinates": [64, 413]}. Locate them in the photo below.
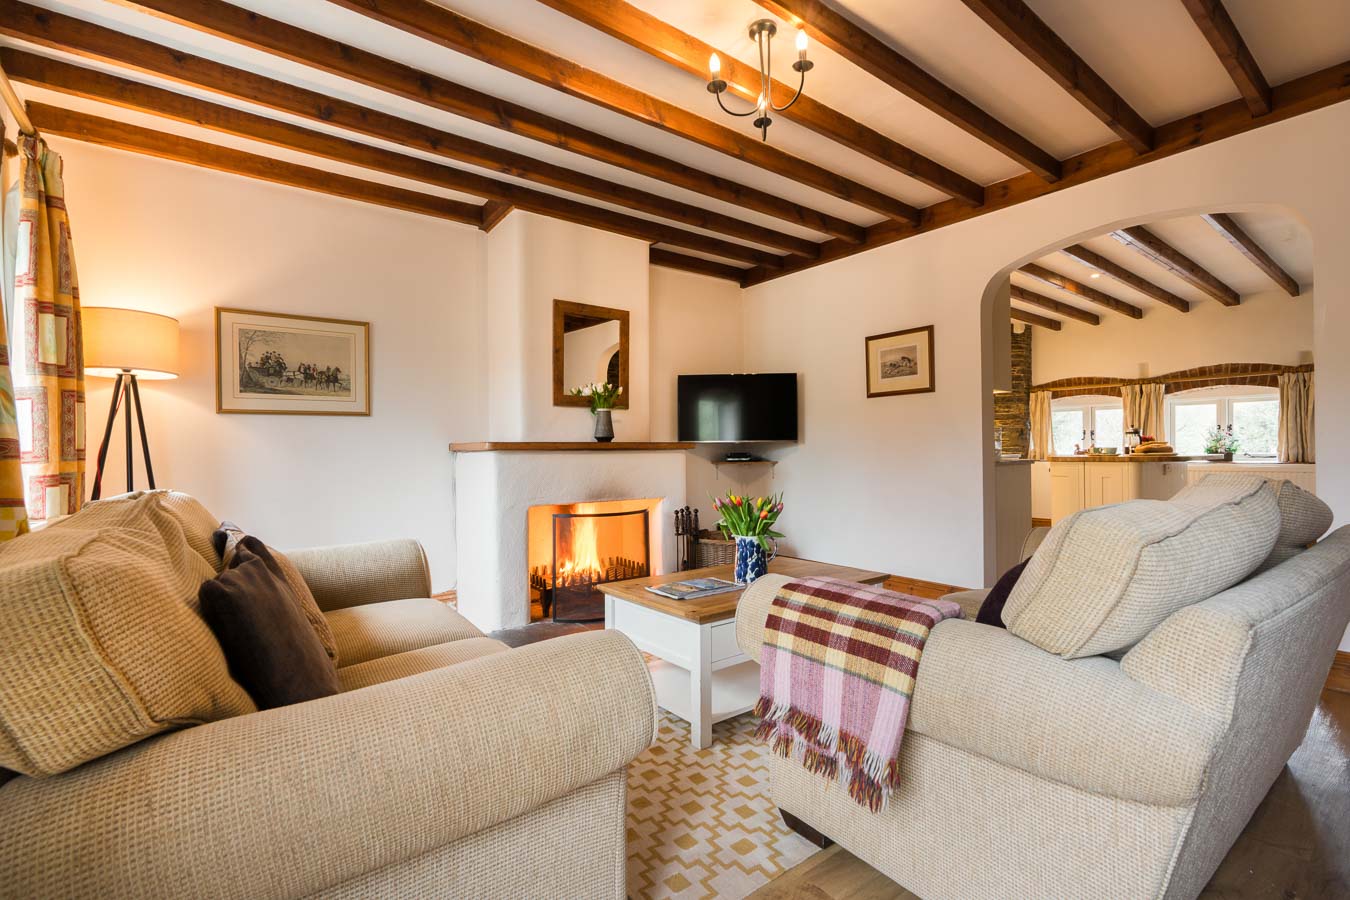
{"type": "Point", "coordinates": [723, 606]}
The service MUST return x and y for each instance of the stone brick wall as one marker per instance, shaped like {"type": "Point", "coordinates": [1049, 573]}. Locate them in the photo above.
{"type": "Point", "coordinates": [1012, 412]}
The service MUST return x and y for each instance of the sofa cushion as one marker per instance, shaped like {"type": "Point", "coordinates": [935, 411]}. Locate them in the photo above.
{"type": "Point", "coordinates": [227, 538]}
{"type": "Point", "coordinates": [414, 662]}
{"type": "Point", "coordinates": [272, 651]}
{"type": "Point", "coordinates": [198, 524]}
{"type": "Point", "coordinates": [1303, 519]}
{"type": "Point", "coordinates": [102, 642]}
{"type": "Point", "coordinates": [1105, 577]}
{"type": "Point", "coordinates": [395, 626]}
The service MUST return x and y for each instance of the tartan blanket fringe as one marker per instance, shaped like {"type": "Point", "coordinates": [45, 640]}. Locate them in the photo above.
{"type": "Point", "coordinates": [825, 751]}
{"type": "Point", "coordinates": [836, 678]}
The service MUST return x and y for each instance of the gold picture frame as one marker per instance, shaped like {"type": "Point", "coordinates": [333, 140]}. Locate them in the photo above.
{"type": "Point", "coordinates": [286, 364]}
{"type": "Point", "coordinates": [900, 362]}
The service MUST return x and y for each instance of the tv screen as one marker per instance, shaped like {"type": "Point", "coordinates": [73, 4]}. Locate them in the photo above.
{"type": "Point", "coordinates": [738, 408]}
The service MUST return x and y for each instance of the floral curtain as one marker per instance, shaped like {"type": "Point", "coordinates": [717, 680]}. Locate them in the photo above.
{"type": "Point", "coordinates": [44, 323]}
{"type": "Point", "coordinates": [1042, 439]}
{"type": "Point", "coordinates": [1143, 408]}
{"type": "Point", "coordinates": [1296, 418]}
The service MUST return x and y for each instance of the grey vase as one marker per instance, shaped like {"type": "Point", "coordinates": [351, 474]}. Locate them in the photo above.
{"type": "Point", "coordinates": [604, 425]}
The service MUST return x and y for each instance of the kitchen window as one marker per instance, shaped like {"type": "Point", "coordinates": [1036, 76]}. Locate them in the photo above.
{"type": "Point", "coordinates": [1252, 412]}
{"type": "Point", "coordinates": [1084, 420]}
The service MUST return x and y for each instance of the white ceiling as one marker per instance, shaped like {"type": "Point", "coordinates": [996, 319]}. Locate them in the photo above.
{"type": "Point", "coordinates": [1149, 50]}
{"type": "Point", "coordinates": [1278, 232]}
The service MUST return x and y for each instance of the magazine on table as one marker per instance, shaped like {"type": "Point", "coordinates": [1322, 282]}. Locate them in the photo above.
{"type": "Point", "coordinates": [695, 588]}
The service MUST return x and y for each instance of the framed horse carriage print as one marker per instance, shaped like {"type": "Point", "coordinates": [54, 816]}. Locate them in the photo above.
{"type": "Point", "coordinates": [280, 364]}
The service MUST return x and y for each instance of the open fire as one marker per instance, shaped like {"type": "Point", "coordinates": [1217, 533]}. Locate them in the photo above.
{"type": "Point", "coordinates": [583, 546]}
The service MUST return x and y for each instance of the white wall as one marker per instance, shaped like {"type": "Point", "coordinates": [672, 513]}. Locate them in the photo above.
{"type": "Point", "coordinates": [698, 329]}
{"type": "Point", "coordinates": [532, 261]}
{"type": "Point", "coordinates": [178, 240]}
{"type": "Point", "coordinates": [1270, 327]}
{"type": "Point", "coordinates": [901, 483]}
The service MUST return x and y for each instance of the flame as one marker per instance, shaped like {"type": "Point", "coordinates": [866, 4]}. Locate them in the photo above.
{"type": "Point", "coordinates": [585, 562]}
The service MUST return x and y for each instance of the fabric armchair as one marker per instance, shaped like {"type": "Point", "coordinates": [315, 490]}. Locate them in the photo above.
{"type": "Point", "coordinates": [308, 798]}
{"type": "Point", "coordinates": [356, 574]}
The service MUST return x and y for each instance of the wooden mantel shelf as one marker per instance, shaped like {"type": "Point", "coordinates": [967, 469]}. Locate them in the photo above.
{"type": "Point", "coordinates": [566, 446]}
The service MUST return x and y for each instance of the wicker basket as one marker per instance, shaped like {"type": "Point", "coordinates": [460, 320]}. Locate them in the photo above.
{"type": "Point", "coordinates": [714, 552]}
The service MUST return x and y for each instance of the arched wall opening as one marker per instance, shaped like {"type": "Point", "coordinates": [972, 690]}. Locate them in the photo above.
{"type": "Point", "coordinates": [1216, 362]}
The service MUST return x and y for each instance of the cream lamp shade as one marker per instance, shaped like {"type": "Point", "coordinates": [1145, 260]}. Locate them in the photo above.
{"type": "Point", "coordinates": [128, 340]}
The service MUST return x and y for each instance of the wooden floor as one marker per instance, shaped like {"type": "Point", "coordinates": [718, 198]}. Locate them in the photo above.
{"type": "Point", "coordinates": [1296, 846]}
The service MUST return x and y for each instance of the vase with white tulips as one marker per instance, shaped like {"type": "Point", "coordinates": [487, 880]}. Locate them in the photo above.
{"type": "Point", "coordinates": [602, 398]}
{"type": "Point", "coordinates": [750, 523]}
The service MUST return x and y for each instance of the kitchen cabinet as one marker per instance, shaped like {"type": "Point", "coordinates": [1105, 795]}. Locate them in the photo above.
{"type": "Point", "coordinates": [1081, 483]}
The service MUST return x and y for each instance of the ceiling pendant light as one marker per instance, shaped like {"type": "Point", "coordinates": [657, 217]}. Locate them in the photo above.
{"type": "Point", "coordinates": [762, 33]}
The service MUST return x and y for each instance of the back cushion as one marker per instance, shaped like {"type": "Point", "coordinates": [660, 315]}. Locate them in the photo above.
{"type": "Point", "coordinates": [1105, 577]}
{"type": "Point", "coordinates": [101, 640]}
{"type": "Point", "coordinates": [1303, 519]}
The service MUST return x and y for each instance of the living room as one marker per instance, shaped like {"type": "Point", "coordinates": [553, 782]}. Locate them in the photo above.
{"type": "Point", "coordinates": [456, 190]}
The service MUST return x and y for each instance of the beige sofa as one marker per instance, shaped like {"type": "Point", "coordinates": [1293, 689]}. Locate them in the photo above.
{"type": "Point", "coordinates": [449, 766]}
{"type": "Point", "coordinates": [1027, 774]}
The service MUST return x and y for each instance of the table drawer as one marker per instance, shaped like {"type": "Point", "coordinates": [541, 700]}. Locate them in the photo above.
{"type": "Point", "coordinates": [724, 641]}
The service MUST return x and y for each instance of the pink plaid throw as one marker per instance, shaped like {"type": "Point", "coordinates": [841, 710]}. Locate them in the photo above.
{"type": "Point", "coordinates": [836, 677]}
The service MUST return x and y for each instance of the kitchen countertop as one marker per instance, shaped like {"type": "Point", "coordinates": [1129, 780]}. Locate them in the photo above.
{"type": "Point", "coordinates": [1136, 458]}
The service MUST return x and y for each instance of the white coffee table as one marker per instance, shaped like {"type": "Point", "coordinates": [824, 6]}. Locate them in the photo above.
{"type": "Point", "coordinates": [700, 673]}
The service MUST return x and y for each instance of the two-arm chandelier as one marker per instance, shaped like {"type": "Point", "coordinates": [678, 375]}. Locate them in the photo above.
{"type": "Point", "coordinates": [762, 33]}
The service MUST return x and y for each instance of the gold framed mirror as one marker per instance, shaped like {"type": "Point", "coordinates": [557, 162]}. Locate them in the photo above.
{"type": "Point", "coordinates": [590, 346]}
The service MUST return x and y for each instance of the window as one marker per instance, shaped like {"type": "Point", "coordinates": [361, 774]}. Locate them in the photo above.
{"type": "Point", "coordinates": [1084, 420]}
{"type": "Point", "coordinates": [1253, 413]}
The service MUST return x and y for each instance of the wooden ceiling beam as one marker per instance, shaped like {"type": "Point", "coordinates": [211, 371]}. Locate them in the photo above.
{"type": "Point", "coordinates": [494, 211]}
{"type": "Point", "coordinates": [1068, 310]}
{"type": "Point", "coordinates": [1026, 31]}
{"type": "Point", "coordinates": [253, 88]}
{"type": "Point", "coordinates": [1021, 315]}
{"type": "Point", "coordinates": [670, 260]}
{"type": "Point", "coordinates": [1150, 246]}
{"type": "Point", "coordinates": [1226, 226]}
{"type": "Point", "coordinates": [227, 120]}
{"type": "Point", "coordinates": [439, 25]}
{"type": "Point", "coordinates": [1090, 294]}
{"type": "Point", "coordinates": [249, 29]}
{"type": "Point", "coordinates": [53, 120]}
{"type": "Point", "coordinates": [655, 37]}
{"type": "Point", "coordinates": [865, 50]}
{"type": "Point", "coordinates": [1108, 267]}
{"type": "Point", "coordinates": [1314, 91]}
{"type": "Point", "coordinates": [1223, 36]}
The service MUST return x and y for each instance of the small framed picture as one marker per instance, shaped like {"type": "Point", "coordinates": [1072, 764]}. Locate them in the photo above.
{"type": "Point", "coordinates": [900, 362]}
{"type": "Point", "coordinates": [278, 364]}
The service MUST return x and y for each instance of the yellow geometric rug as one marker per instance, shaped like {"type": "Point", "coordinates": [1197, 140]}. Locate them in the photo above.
{"type": "Point", "coordinates": [700, 822]}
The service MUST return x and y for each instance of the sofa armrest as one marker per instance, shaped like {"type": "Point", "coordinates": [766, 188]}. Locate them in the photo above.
{"type": "Point", "coordinates": [356, 574]}
{"type": "Point", "coordinates": [969, 601]}
{"type": "Point", "coordinates": [295, 800]}
{"type": "Point", "coordinates": [752, 611]}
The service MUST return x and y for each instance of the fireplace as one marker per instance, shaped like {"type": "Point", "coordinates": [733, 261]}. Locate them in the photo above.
{"type": "Point", "coordinates": [574, 548]}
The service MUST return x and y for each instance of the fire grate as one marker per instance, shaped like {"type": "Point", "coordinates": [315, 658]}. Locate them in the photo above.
{"type": "Point", "coordinates": [570, 587]}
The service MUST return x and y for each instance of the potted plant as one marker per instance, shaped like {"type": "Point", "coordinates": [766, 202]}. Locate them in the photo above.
{"type": "Point", "coordinates": [602, 397]}
{"type": "Point", "coordinates": [1221, 441]}
{"type": "Point", "coordinates": [750, 523]}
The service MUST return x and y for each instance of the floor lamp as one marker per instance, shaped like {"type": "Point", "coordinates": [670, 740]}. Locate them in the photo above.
{"type": "Point", "coordinates": [127, 345]}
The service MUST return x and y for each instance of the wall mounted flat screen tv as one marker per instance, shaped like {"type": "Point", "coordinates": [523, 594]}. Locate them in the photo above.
{"type": "Point", "coordinates": [731, 409]}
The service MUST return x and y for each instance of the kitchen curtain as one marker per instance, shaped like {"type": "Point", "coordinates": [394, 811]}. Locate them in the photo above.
{"type": "Point", "coordinates": [1296, 418]}
{"type": "Point", "coordinates": [1143, 408]}
{"type": "Point", "coordinates": [1042, 439]}
{"type": "Point", "coordinates": [44, 413]}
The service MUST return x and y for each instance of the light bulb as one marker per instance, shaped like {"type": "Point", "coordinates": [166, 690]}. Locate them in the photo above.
{"type": "Point", "coordinates": [801, 42]}
{"type": "Point", "coordinates": [762, 102]}
{"type": "Point", "coordinates": [714, 66]}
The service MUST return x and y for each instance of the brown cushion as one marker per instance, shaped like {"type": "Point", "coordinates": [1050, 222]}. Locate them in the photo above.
{"type": "Point", "coordinates": [272, 651]}
{"type": "Point", "coordinates": [102, 642]}
{"type": "Point", "coordinates": [227, 538]}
